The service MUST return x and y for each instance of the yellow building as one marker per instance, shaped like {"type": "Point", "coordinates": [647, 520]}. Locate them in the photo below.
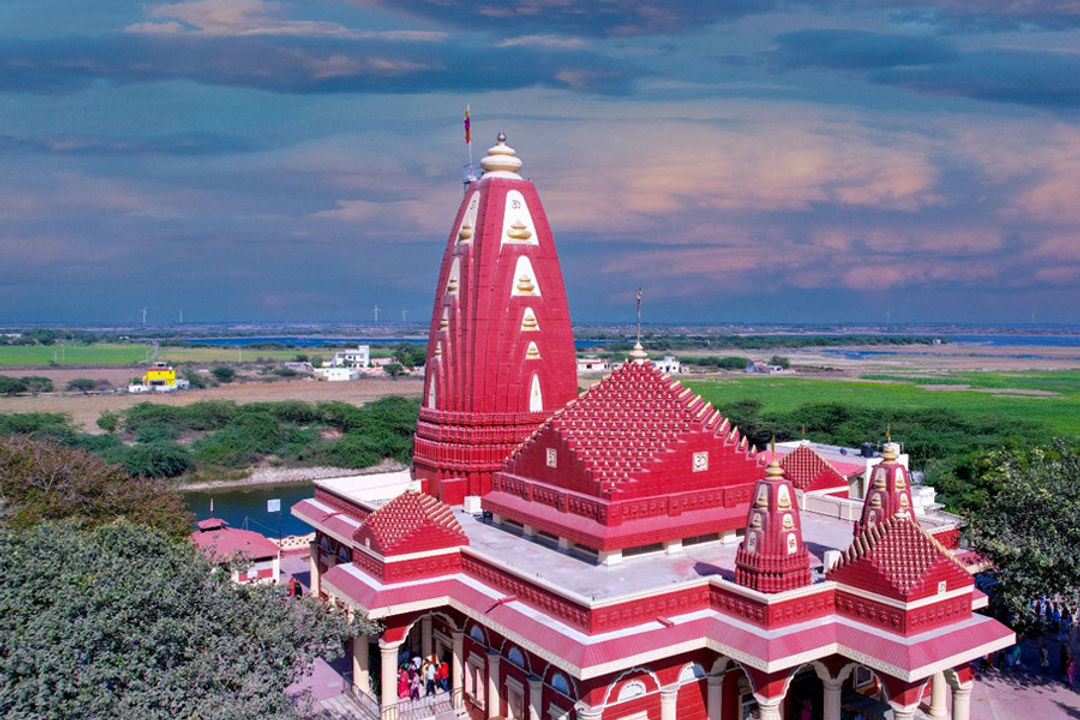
{"type": "Point", "coordinates": [160, 374]}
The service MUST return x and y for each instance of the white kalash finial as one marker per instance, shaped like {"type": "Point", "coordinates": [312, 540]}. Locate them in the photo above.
{"type": "Point", "coordinates": [501, 159]}
{"type": "Point", "coordinates": [638, 354]}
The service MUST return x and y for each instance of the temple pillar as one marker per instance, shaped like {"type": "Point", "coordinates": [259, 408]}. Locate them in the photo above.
{"type": "Point", "coordinates": [457, 669]}
{"type": "Point", "coordinates": [425, 637]}
{"type": "Point", "coordinates": [361, 676]}
{"type": "Point", "coordinates": [831, 704]}
{"type": "Point", "coordinates": [669, 698]}
{"type": "Point", "coordinates": [961, 701]}
{"type": "Point", "coordinates": [900, 713]}
{"type": "Point", "coordinates": [494, 696]}
{"type": "Point", "coordinates": [586, 712]}
{"type": "Point", "coordinates": [769, 708]}
{"type": "Point", "coordinates": [536, 698]}
{"type": "Point", "coordinates": [388, 680]}
{"type": "Point", "coordinates": [938, 696]}
{"type": "Point", "coordinates": [313, 581]}
{"type": "Point", "coordinates": [714, 698]}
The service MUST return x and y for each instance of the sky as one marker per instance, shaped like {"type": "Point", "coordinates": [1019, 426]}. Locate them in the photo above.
{"type": "Point", "coordinates": [763, 161]}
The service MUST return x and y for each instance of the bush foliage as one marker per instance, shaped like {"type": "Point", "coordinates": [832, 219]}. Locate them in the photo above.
{"type": "Point", "coordinates": [124, 624]}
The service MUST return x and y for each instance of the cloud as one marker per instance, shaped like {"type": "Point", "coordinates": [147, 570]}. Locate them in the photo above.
{"type": "Point", "coordinates": [1042, 79]}
{"type": "Point", "coordinates": [932, 66]}
{"type": "Point", "coordinates": [301, 65]}
{"type": "Point", "coordinates": [859, 50]}
{"type": "Point", "coordinates": [237, 18]}
{"type": "Point", "coordinates": [988, 16]}
{"type": "Point", "coordinates": [181, 145]}
{"type": "Point", "coordinates": [595, 18]}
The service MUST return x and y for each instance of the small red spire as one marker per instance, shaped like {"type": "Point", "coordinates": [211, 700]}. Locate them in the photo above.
{"type": "Point", "coordinates": [889, 494]}
{"type": "Point", "coordinates": [772, 557]}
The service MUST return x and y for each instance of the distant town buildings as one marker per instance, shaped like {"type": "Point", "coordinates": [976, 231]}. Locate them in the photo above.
{"type": "Point", "coordinates": [355, 359]}
{"type": "Point", "coordinates": [669, 366]}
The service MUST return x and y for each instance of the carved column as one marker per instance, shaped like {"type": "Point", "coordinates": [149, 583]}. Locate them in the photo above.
{"type": "Point", "coordinates": [586, 712]}
{"type": "Point", "coordinates": [313, 581]}
{"type": "Point", "coordinates": [457, 669]}
{"type": "Point", "coordinates": [425, 637]}
{"type": "Point", "coordinates": [669, 698]}
{"type": "Point", "coordinates": [388, 679]}
{"type": "Point", "coordinates": [361, 679]}
{"type": "Point", "coordinates": [903, 713]}
{"type": "Point", "coordinates": [536, 698]}
{"type": "Point", "coordinates": [961, 701]}
{"type": "Point", "coordinates": [494, 696]}
{"type": "Point", "coordinates": [831, 705]}
{"type": "Point", "coordinates": [715, 696]}
{"type": "Point", "coordinates": [769, 708]}
{"type": "Point", "coordinates": [938, 696]}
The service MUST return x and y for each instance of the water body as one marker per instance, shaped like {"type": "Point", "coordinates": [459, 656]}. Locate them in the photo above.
{"type": "Point", "coordinates": [245, 507]}
{"type": "Point", "coordinates": [318, 342]}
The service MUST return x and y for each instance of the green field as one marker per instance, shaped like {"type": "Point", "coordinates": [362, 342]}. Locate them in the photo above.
{"type": "Point", "coordinates": [1061, 411]}
{"type": "Point", "coordinates": [101, 354]}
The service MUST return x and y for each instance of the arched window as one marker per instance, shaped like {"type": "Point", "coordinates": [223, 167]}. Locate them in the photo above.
{"type": "Point", "coordinates": [477, 634]}
{"type": "Point", "coordinates": [516, 657]}
{"type": "Point", "coordinates": [631, 690]}
{"type": "Point", "coordinates": [536, 398]}
{"type": "Point", "coordinates": [560, 683]}
{"type": "Point", "coordinates": [691, 672]}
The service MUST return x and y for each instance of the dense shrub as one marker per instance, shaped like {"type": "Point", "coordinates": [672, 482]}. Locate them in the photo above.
{"type": "Point", "coordinates": [224, 374]}
{"type": "Point", "coordinates": [158, 460]}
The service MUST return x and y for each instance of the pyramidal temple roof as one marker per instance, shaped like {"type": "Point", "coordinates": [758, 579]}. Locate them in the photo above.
{"type": "Point", "coordinates": [809, 471]}
{"type": "Point", "coordinates": [621, 425]}
{"type": "Point", "coordinates": [411, 522]}
{"type": "Point", "coordinates": [898, 558]}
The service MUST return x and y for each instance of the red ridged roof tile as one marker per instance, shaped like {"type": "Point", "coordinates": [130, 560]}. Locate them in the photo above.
{"type": "Point", "coordinates": [619, 426]}
{"type": "Point", "coordinates": [898, 558]}
{"type": "Point", "coordinates": [809, 471]}
{"type": "Point", "coordinates": [411, 522]}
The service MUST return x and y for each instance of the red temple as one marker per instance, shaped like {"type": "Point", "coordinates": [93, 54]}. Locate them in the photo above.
{"type": "Point", "coordinates": [500, 350]}
{"type": "Point", "coordinates": [633, 559]}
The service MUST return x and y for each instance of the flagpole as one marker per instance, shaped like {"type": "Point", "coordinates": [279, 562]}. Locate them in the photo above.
{"type": "Point", "coordinates": [469, 177]}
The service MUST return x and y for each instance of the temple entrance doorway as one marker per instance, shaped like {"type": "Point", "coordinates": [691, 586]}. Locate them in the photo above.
{"type": "Point", "coordinates": [805, 696]}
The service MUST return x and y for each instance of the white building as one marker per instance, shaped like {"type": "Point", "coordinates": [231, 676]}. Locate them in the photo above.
{"type": "Point", "coordinates": [669, 365]}
{"type": "Point", "coordinates": [592, 364]}
{"type": "Point", "coordinates": [358, 358]}
{"type": "Point", "coordinates": [336, 374]}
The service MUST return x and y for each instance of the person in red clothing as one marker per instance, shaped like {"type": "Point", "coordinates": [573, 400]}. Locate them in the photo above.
{"type": "Point", "coordinates": [442, 675]}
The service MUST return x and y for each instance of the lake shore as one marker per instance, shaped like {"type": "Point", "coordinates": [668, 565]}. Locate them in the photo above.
{"type": "Point", "coordinates": [287, 476]}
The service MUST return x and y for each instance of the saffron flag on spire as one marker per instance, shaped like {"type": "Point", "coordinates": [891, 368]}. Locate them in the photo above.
{"type": "Point", "coordinates": [468, 127]}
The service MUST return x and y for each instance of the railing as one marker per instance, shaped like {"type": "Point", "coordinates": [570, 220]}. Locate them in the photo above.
{"type": "Point", "coordinates": [424, 708]}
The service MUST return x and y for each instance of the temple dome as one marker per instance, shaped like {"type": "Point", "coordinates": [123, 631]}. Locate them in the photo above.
{"type": "Point", "coordinates": [501, 158]}
{"type": "Point", "coordinates": [411, 522]}
{"type": "Point", "coordinates": [889, 492]}
{"type": "Point", "coordinates": [772, 556]}
{"type": "Point", "coordinates": [656, 462]}
{"type": "Point", "coordinates": [897, 558]}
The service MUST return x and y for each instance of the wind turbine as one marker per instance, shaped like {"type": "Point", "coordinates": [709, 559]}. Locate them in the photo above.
{"type": "Point", "coordinates": [376, 311]}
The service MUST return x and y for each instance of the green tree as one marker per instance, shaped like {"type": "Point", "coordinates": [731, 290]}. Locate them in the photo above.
{"type": "Point", "coordinates": [124, 624]}
{"type": "Point", "coordinates": [12, 385]}
{"type": "Point", "coordinates": [394, 369]}
{"type": "Point", "coordinates": [1029, 526]}
{"type": "Point", "coordinates": [158, 459]}
{"type": "Point", "coordinates": [780, 361]}
{"type": "Point", "coordinates": [224, 374]}
{"type": "Point", "coordinates": [36, 384]}
{"type": "Point", "coordinates": [83, 385]}
{"type": "Point", "coordinates": [42, 480]}
{"type": "Point", "coordinates": [109, 421]}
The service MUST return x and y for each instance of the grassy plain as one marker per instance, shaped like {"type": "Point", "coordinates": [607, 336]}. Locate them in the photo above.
{"type": "Point", "coordinates": [105, 354]}
{"type": "Point", "coordinates": [1055, 398]}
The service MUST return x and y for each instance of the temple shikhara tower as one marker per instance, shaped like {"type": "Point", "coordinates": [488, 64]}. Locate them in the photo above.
{"type": "Point", "coordinates": [500, 351]}
{"type": "Point", "coordinates": [627, 554]}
